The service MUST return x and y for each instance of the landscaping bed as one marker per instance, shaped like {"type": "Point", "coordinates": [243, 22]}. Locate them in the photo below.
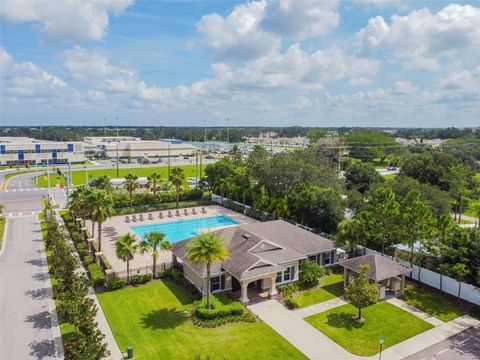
{"type": "Point", "coordinates": [154, 319]}
{"type": "Point", "coordinates": [362, 338]}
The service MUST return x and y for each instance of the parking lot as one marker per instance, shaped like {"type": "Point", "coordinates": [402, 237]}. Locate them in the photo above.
{"type": "Point", "coordinates": [464, 346]}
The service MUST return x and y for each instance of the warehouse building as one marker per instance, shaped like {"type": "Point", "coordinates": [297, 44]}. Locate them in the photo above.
{"type": "Point", "coordinates": [136, 149]}
{"type": "Point", "coordinates": [28, 151]}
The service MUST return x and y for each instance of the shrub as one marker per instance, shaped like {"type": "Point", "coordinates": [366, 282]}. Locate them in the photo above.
{"type": "Point", "coordinates": [96, 274]}
{"type": "Point", "coordinates": [115, 284]}
{"type": "Point", "coordinates": [289, 289]}
{"type": "Point", "coordinates": [311, 273]}
{"type": "Point", "coordinates": [141, 279]}
{"type": "Point", "coordinates": [88, 259]}
{"type": "Point", "coordinates": [290, 301]}
{"type": "Point", "coordinates": [222, 306]}
{"type": "Point", "coordinates": [76, 237]}
{"type": "Point", "coordinates": [176, 275]}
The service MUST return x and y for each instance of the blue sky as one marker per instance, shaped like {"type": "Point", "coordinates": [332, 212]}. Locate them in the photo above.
{"type": "Point", "coordinates": [272, 63]}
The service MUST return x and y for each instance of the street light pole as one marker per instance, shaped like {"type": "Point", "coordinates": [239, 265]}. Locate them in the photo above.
{"type": "Point", "coordinates": [381, 346]}
{"type": "Point", "coordinates": [205, 132]}
{"type": "Point", "coordinates": [48, 174]}
{"type": "Point", "coordinates": [169, 161]}
{"type": "Point", "coordinates": [118, 170]}
{"type": "Point", "coordinates": [228, 131]}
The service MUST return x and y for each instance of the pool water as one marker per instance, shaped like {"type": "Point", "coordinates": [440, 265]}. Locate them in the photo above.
{"type": "Point", "coordinates": [184, 229]}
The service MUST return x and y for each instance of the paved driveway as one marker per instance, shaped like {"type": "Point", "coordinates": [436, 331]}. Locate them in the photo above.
{"type": "Point", "coordinates": [27, 314]}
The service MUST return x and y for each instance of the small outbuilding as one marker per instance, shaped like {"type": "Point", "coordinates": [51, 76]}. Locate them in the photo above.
{"type": "Point", "coordinates": [388, 274]}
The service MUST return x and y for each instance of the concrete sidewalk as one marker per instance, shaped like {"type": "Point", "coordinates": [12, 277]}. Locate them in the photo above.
{"type": "Point", "coordinates": [317, 346]}
{"type": "Point", "coordinates": [320, 307]}
{"type": "Point", "coordinates": [417, 312]}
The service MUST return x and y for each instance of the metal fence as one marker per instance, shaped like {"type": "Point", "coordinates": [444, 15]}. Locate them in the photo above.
{"type": "Point", "coordinates": [143, 270]}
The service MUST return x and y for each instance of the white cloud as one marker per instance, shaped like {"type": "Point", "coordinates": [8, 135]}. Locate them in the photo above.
{"type": "Point", "coordinates": [300, 19]}
{"type": "Point", "coordinates": [462, 84]}
{"type": "Point", "coordinates": [82, 64]}
{"type": "Point", "coordinates": [70, 21]}
{"type": "Point", "coordinates": [403, 88]}
{"type": "Point", "coordinates": [26, 80]}
{"type": "Point", "coordinates": [238, 35]}
{"type": "Point", "coordinates": [424, 38]}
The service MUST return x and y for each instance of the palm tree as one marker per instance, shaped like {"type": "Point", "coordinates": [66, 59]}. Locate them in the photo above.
{"type": "Point", "coordinates": [177, 177]}
{"type": "Point", "coordinates": [78, 201]}
{"type": "Point", "coordinates": [350, 235]}
{"type": "Point", "coordinates": [154, 184]}
{"type": "Point", "coordinates": [102, 209]}
{"type": "Point", "coordinates": [222, 187]}
{"type": "Point", "coordinates": [131, 184]}
{"type": "Point", "coordinates": [207, 249]}
{"type": "Point", "coordinates": [153, 241]}
{"type": "Point", "coordinates": [279, 207]}
{"type": "Point", "coordinates": [103, 183]}
{"type": "Point", "coordinates": [125, 248]}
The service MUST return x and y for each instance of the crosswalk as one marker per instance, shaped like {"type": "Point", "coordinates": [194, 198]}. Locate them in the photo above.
{"type": "Point", "coordinates": [22, 213]}
{"type": "Point", "coordinates": [21, 190]}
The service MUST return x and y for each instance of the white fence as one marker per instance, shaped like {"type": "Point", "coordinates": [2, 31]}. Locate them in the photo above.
{"type": "Point", "coordinates": [143, 270]}
{"type": "Point", "coordinates": [450, 286]}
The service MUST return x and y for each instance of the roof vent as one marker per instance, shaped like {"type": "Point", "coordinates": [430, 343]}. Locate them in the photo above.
{"type": "Point", "coordinates": [246, 236]}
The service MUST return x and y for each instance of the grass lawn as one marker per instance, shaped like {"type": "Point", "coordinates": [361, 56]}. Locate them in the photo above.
{"type": "Point", "coordinates": [432, 303]}
{"type": "Point", "coordinates": [382, 319]}
{"type": "Point", "coordinates": [330, 287]}
{"type": "Point", "coordinates": [3, 222]}
{"type": "Point", "coordinates": [151, 318]}
{"type": "Point", "coordinates": [78, 176]}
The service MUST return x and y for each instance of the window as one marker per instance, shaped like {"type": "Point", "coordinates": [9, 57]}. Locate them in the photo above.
{"type": "Point", "coordinates": [328, 258]}
{"type": "Point", "coordinates": [315, 258]}
{"type": "Point", "coordinates": [286, 275]}
{"type": "Point", "coordinates": [217, 283]}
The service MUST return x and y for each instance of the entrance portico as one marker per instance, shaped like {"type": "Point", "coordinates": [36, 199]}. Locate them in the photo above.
{"type": "Point", "coordinates": [266, 282]}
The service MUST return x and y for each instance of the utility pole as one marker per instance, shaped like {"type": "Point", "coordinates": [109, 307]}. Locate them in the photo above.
{"type": "Point", "coordinates": [86, 174]}
{"type": "Point", "coordinates": [118, 170]}
{"type": "Point", "coordinates": [205, 132]}
{"type": "Point", "coordinates": [169, 160]}
{"type": "Point", "coordinates": [48, 174]}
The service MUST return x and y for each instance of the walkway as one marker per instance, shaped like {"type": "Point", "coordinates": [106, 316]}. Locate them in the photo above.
{"type": "Point", "coordinates": [28, 318]}
{"type": "Point", "coordinates": [317, 346]}
{"type": "Point", "coordinates": [320, 307]}
{"type": "Point", "coordinates": [417, 312]}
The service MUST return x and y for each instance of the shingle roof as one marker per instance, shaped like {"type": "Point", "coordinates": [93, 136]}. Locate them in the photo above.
{"type": "Point", "coordinates": [263, 246]}
{"type": "Point", "coordinates": [381, 268]}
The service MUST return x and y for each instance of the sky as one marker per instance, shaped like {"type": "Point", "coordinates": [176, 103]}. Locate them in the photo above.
{"type": "Point", "coordinates": [383, 63]}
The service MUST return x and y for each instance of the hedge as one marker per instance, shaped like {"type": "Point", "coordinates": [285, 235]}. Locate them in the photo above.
{"type": "Point", "coordinates": [122, 200]}
{"type": "Point", "coordinates": [96, 274]}
{"type": "Point", "coordinates": [115, 284]}
{"type": "Point", "coordinates": [140, 279]}
{"type": "Point", "coordinates": [222, 306]}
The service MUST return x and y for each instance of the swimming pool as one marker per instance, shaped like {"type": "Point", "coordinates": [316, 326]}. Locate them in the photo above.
{"type": "Point", "coordinates": [184, 229]}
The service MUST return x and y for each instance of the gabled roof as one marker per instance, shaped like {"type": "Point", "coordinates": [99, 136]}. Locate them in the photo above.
{"type": "Point", "coordinates": [259, 248]}
{"type": "Point", "coordinates": [381, 268]}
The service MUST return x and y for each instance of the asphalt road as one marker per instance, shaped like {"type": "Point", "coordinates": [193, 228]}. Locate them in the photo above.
{"type": "Point", "coordinates": [464, 346]}
{"type": "Point", "coordinates": [21, 195]}
{"type": "Point", "coordinates": [26, 317]}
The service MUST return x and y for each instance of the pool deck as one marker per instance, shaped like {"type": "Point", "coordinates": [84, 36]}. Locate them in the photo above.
{"type": "Point", "coordinates": [143, 260]}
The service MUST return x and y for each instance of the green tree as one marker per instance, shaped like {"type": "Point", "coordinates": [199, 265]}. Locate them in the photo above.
{"type": "Point", "coordinates": [207, 249]}
{"type": "Point", "coordinates": [360, 292]}
{"type": "Point", "coordinates": [235, 155]}
{"type": "Point", "coordinates": [416, 222]}
{"type": "Point", "coordinates": [443, 230]}
{"type": "Point", "coordinates": [125, 249]}
{"type": "Point", "coordinates": [314, 135]}
{"type": "Point", "coordinates": [459, 271]}
{"type": "Point", "coordinates": [103, 183]}
{"type": "Point", "coordinates": [279, 207]}
{"type": "Point", "coordinates": [310, 273]}
{"type": "Point", "coordinates": [153, 242]}
{"type": "Point", "coordinates": [382, 218]}
{"type": "Point", "coordinates": [131, 184]}
{"type": "Point", "coordinates": [350, 234]}
{"type": "Point", "coordinates": [78, 201]}
{"type": "Point", "coordinates": [154, 185]}
{"type": "Point", "coordinates": [361, 176]}
{"type": "Point", "coordinates": [457, 179]}
{"type": "Point", "coordinates": [101, 210]}
{"type": "Point", "coordinates": [475, 208]}
{"type": "Point", "coordinates": [177, 177]}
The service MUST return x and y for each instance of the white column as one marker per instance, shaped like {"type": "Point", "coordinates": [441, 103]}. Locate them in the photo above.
{"type": "Point", "coordinates": [273, 286]}
{"type": "Point", "coordinates": [244, 297]}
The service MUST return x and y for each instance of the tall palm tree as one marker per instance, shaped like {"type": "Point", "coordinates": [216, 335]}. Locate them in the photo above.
{"type": "Point", "coordinates": [222, 187]}
{"type": "Point", "coordinates": [102, 209]}
{"type": "Point", "coordinates": [103, 183]}
{"type": "Point", "coordinates": [207, 249]}
{"type": "Point", "coordinates": [177, 177]}
{"type": "Point", "coordinates": [78, 201]}
{"type": "Point", "coordinates": [153, 241]}
{"type": "Point", "coordinates": [350, 234]}
{"type": "Point", "coordinates": [125, 248]}
{"type": "Point", "coordinates": [131, 184]}
{"type": "Point", "coordinates": [154, 185]}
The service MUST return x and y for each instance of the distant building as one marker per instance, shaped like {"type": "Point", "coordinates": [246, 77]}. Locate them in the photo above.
{"type": "Point", "coordinates": [28, 151]}
{"type": "Point", "coordinates": [92, 142]}
{"type": "Point", "coordinates": [144, 148]}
